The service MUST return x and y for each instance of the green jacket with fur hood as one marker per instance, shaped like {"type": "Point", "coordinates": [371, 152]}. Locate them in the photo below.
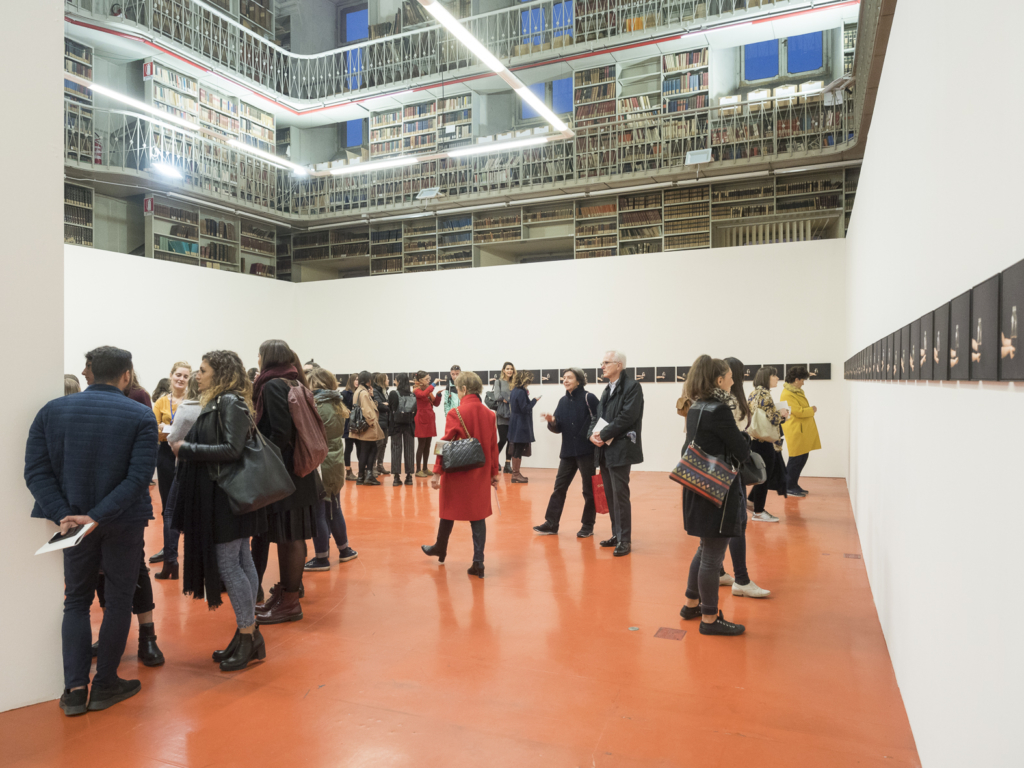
{"type": "Point", "coordinates": [333, 413]}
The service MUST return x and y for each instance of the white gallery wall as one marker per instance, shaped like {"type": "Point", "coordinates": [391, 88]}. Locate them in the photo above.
{"type": "Point", "coordinates": [31, 307]}
{"type": "Point", "coordinates": [932, 466]}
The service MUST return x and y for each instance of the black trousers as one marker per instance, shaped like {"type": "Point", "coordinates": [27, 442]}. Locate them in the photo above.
{"type": "Point", "coordinates": [503, 441]}
{"type": "Point", "coordinates": [142, 600]}
{"type": "Point", "coordinates": [444, 532]}
{"type": "Point", "coordinates": [620, 509]}
{"type": "Point", "coordinates": [567, 469]}
{"type": "Point", "coordinates": [350, 443]}
{"type": "Point", "coordinates": [759, 493]}
{"type": "Point", "coordinates": [118, 547]}
{"type": "Point", "coordinates": [402, 447]}
{"type": "Point", "coordinates": [366, 450]}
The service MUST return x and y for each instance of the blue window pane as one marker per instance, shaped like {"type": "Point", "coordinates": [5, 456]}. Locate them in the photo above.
{"type": "Point", "coordinates": [561, 96]}
{"type": "Point", "coordinates": [354, 133]}
{"type": "Point", "coordinates": [761, 60]}
{"type": "Point", "coordinates": [357, 26]}
{"type": "Point", "coordinates": [528, 111]}
{"type": "Point", "coordinates": [532, 22]}
{"type": "Point", "coordinates": [805, 53]}
{"type": "Point", "coordinates": [561, 18]}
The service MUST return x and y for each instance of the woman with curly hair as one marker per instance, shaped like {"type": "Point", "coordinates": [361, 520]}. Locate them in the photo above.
{"type": "Point", "coordinates": [216, 539]}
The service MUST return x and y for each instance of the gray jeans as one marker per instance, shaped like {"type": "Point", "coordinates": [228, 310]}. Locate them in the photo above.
{"type": "Point", "coordinates": [238, 573]}
{"type": "Point", "coordinates": [704, 570]}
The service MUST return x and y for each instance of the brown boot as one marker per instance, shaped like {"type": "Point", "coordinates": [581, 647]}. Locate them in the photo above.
{"type": "Point", "coordinates": [287, 608]}
{"type": "Point", "coordinates": [274, 599]}
{"type": "Point", "coordinates": [517, 476]}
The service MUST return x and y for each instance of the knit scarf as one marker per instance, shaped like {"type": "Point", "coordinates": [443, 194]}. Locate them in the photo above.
{"type": "Point", "coordinates": [724, 397]}
{"type": "Point", "coordinates": [274, 372]}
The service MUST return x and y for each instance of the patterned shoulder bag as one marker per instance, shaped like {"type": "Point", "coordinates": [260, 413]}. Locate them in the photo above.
{"type": "Point", "coordinates": [704, 474]}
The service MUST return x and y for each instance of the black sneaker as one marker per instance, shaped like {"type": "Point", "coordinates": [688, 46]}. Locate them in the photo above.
{"type": "Point", "coordinates": [721, 627]}
{"type": "Point", "coordinates": [347, 554]}
{"type": "Point", "coordinates": [690, 613]}
{"type": "Point", "coordinates": [75, 702]}
{"type": "Point", "coordinates": [408, 479]}
{"type": "Point", "coordinates": [796, 492]}
{"type": "Point", "coordinates": [102, 698]}
{"type": "Point", "coordinates": [317, 564]}
{"type": "Point", "coordinates": [804, 491]}
{"type": "Point", "coordinates": [546, 529]}
{"type": "Point", "coordinates": [612, 542]}
{"type": "Point", "coordinates": [584, 533]}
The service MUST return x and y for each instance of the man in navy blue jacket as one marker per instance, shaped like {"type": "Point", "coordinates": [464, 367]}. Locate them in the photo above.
{"type": "Point", "coordinates": [89, 459]}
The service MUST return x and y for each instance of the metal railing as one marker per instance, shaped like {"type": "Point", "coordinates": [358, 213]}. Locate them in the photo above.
{"type": "Point", "coordinates": [618, 150]}
{"type": "Point", "coordinates": [413, 55]}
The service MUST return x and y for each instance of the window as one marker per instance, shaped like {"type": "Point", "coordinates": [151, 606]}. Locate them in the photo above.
{"type": "Point", "coordinates": [356, 27]}
{"type": "Point", "coordinates": [787, 56]}
{"type": "Point", "coordinates": [557, 94]}
{"type": "Point", "coordinates": [526, 111]}
{"type": "Point", "coordinates": [532, 25]}
{"type": "Point", "coordinates": [561, 18]}
{"type": "Point", "coordinates": [354, 132]}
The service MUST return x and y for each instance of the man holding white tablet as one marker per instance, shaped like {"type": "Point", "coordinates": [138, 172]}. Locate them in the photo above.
{"type": "Point", "coordinates": [89, 459]}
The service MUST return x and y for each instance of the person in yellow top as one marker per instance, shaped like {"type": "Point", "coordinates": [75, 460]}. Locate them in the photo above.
{"type": "Point", "coordinates": [165, 409]}
{"type": "Point", "coordinates": [800, 430]}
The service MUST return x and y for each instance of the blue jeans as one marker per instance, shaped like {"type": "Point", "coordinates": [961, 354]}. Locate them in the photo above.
{"type": "Point", "coordinates": [324, 528]}
{"type": "Point", "coordinates": [237, 571]}
{"type": "Point", "coordinates": [117, 546]}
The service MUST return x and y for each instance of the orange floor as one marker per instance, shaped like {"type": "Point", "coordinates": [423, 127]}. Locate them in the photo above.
{"type": "Point", "coordinates": [401, 662]}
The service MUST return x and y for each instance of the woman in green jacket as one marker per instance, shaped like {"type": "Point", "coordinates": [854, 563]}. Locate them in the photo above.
{"type": "Point", "coordinates": [329, 517]}
{"type": "Point", "coordinates": [800, 430]}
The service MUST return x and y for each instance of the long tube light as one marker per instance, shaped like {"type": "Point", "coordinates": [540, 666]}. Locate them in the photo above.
{"type": "Point", "coordinates": [438, 11]}
{"type": "Point", "coordinates": [177, 122]}
{"type": "Point", "coordinates": [551, 199]}
{"type": "Point", "coordinates": [203, 203]}
{"type": "Point", "coordinates": [379, 165]}
{"type": "Point", "coordinates": [298, 170]}
{"type": "Point", "coordinates": [500, 146]}
{"type": "Point", "coordinates": [621, 190]}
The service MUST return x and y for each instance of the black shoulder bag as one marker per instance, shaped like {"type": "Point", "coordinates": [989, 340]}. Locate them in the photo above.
{"type": "Point", "coordinates": [460, 455]}
{"type": "Point", "coordinates": [258, 478]}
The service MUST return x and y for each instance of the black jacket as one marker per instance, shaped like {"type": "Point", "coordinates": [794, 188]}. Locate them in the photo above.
{"type": "Point", "coordinates": [406, 429]}
{"type": "Point", "coordinates": [277, 426]}
{"type": "Point", "coordinates": [717, 435]}
{"type": "Point", "coordinates": [573, 417]}
{"type": "Point", "coordinates": [623, 409]}
{"type": "Point", "coordinates": [383, 409]}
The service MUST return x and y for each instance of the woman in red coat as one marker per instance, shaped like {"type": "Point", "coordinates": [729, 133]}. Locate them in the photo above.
{"type": "Point", "coordinates": [426, 426]}
{"type": "Point", "coordinates": [466, 495]}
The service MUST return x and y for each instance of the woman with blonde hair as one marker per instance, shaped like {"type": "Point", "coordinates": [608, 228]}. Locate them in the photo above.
{"type": "Point", "coordinates": [71, 384]}
{"type": "Point", "coordinates": [166, 409]}
{"type": "Point", "coordinates": [520, 424]}
{"type": "Point", "coordinates": [217, 540]}
{"type": "Point", "coordinates": [502, 389]}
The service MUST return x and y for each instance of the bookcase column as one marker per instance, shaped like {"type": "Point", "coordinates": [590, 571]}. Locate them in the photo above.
{"type": "Point", "coordinates": [32, 317]}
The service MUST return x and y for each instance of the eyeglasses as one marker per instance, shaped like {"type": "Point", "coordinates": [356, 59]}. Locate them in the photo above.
{"type": "Point", "coordinates": [606, 363]}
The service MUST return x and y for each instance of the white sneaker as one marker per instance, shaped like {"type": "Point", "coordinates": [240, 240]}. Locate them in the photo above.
{"type": "Point", "coordinates": [726, 580]}
{"type": "Point", "coordinates": [749, 590]}
{"type": "Point", "coordinates": [765, 517]}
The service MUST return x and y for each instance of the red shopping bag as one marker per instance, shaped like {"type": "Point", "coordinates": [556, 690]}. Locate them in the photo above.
{"type": "Point", "coordinates": [600, 500]}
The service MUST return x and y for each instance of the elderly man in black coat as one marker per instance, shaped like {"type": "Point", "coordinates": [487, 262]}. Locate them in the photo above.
{"type": "Point", "coordinates": [616, 431]}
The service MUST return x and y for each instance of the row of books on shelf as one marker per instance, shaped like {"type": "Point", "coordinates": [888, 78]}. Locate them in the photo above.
{"type": "Point", "coordinates": [639, 233]}
{"type": "Point", "coordinates": [646, 246]}
{"type": "Point", "coordinates": [77, 51]}
{"type": "Point", "coordinates": [674, 62]}
{"type": "Point", "coordinates": [596, 229]}
{"type": "Point", "coordinates": [454, 103]}
{"type": "Point", "coordinates": [174, 79]}
{"type": "Point", "coordinates": [638, 103]}
{"type": "Point", "coordinates": [449, 225]}
{"type": "Point", "coordinates": [597, 253]}
{"type": "Point", "coordinates": [697, 81]}
{"type": "Point", "coordinates": [700, 101]}
{"type": "Point", "coordinates": [640, 217]}
{"type": "Point", "coordinates": [79, 216]}
{"type": "Point", "coordinates": [173, 245]}
{"type": "Point", "coordinates": [218, 252]}
{"type": "Point", "coordinates": [75, 235]}
{"type": "Point", "coordinates": [419, 110]}
{"type": "Point", "coordinates": [497, 236]}
{"type": "Point", "coordinates": [591, 211]}
{"type": "Point", "coordinates": [262, 270]}
{"type": "Point", "coordinates": [594, 93]}
{"type": "Point", "coordinates": [257, 245]}
{"type": "Point", "coordinates": [176, 214]}
{"type": "Point", "coordinates": [594, 76]}
{"type": "Point", "coordinates": [79, 196]}
{"type": "Point", "coordinates": [78, 68]}
{"type": "Point", "coordinates": [77, 91]}
{"type": "Point", "coordinates": [386, 235]}
{"type": "Point", "coordinates": [386, 266]}
{"type": "Point", "coordinates": [688, 211]}
{"type": "Point", "coordinates": [683, 242]}
{"type": "Point", "coordinates": [691, 225]}
{"type": "Point", "coordinates": [216, 101]}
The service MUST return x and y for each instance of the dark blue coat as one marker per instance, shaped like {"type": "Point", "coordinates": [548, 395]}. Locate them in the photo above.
{"type": "Point", "coordinates": [520, 424]}
{"type": "Point", "coordinates": [573, 416]}
{"type": "Point", "coordinates": [92, 453]}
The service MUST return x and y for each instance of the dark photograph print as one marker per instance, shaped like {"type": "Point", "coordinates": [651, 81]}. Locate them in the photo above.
{"type": "Point", "coordinates": [535, 374]}
{"type": "Point", "coordinates": [436, 376]}
{"type": "Point", "coordinates": [940, 343]}
{"type": "Point", "coordinates": [483, 377]}
{"type": "Point", "coordinates": [780, 370]}
{"type": "Point", "coordinates": [750, 371]}
{"type": "Point", "coordinates": [925, 340]}
{"type": "Point", "coordinates": [985, 342]}
{"type": "Point", "coordinates": [823, 371]}
{"type": "Point", "coordinates": [914, 362]}
{"type": "Point", "coordinates": [960, 337]}
{"type": "Point", "coordinates": [665, 375]}
{"type": "Point", "coordinates": [904, 334]}
{"type": "Point", "coordinates": [644, 375]}
{"type": "Point", "coordinates": [1011, 362]}
{"type": "Point", "coordinates": [893, 356]}
{"type": "Point", "coordinates": [548, 376]}
{"type": "Point", "coordinates": [876, 374]}
{"type": "Point", "coordinates": [682, 371]}
{"type": "Point", "coordinates": [790, 366]}
{"type": "Point", "coordinates": [884, 376]}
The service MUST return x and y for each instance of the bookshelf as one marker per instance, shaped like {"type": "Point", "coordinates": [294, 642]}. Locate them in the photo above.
{"type": "Point", "coordinates": [258, 16]}
{"type": "Point", "coordinates": [497, 226]}
{"type": "Point", "coordinates": [78, 204]}
{"type": "Point", "coordinates": [594, 95]}
{"type": "Point", "coordinates": [454, 241]}
{"type": "Point", "coordinates": [284, 257]}
{"type": "Point", "coordinates": [640, 88]}
{"type": "Point", "coordinates": [172, 230]}
{"type": "Point", "coordinates": [596, 228]}
{"type": "Point", "coordinates": [386, 133]}
{"type": "Point", "coordinates": [419, 245]}
{"type": "Point", "coordinates": [386, 249]}
{"type": "Point", "coordinates": [849, 46]}
{"type": "Point", "coordinates": [256, 128]}
{"type": "Point", "coordinates": [640, 223]}
{"type": "Point", "coordinates": [687, 218]}
{"type": "Point", "coordinates": [258, 248]}
{"type": "Point", "coordinates": [454, 122]}
{"type": "Point", "coordinates": [78, 121]}
{"type": "Point", "coordinates": [171, 92]}
{"type": "Point", "coordinates": [419, 127]}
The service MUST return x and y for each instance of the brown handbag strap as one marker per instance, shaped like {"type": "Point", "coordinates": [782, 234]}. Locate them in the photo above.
{"type": "Point", "coordinates": [464, 427]}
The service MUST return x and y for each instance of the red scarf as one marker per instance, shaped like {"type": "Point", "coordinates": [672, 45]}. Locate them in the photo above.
{"type": "Point", "coordinates": [275, 372]}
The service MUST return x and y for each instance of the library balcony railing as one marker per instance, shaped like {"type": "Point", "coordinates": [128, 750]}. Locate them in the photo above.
{"type": "Point", "coordinates": [421, 53]}
{"type": "Point", "coordinates": [613, 153]}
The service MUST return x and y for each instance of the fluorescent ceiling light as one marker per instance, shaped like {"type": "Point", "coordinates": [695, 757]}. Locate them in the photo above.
{"type": "Point", "coordinates": [376, 166]}
{"type": "Point", "coordinates": [449, 211]}
{"type": "Point", "coordinates": [540, 107]}
{"type": "Point", "coordinates": [298, 170]}
{"type": "Point", "coordinates": [419, 215]}
{"type": "Point", "coordinates": [551, 199]}
{"type": "Point", "coordinates": [147, 118]}
{"type": "Point", "coordinates": [821, 167]}
{"type": "Point", "coordinates": [202, 203]}
{"type": "Point", "coordinates": [246, 215]}
{"type": "Point", "coordinates": [166, 170]}
{"type": "Point", "coordinates": [637, 189]}
{"type": "Point", "coordinates": [177, 122]}
{"type": "Point", "coordinates": [438, 11]}
{"type": "Point", "coordinates": [498, 146]}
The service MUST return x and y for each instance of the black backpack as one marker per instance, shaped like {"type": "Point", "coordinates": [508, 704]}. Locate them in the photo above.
{"type": "Point", "coordinates": [406, 410]}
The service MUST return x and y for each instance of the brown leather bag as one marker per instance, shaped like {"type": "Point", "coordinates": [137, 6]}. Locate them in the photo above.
{"type": "Point", "coordinates": [310, 434]}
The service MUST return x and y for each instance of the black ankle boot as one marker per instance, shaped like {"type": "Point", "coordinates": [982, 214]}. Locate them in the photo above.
{"type": "Point", "coordinates": [507, 469]}
{"type": "Point", "coordinates": [221, 655]}
{"type": "Point", "coordinates": [369, 479]}
{"type": "Point", "coordinates": [149, 652]}
{"type": "Point", "coordinates": [250, 646]}
{"type": "Point", "coordinates": [435, 551]}
{"type": "Point", "coordinates": [476, 569]}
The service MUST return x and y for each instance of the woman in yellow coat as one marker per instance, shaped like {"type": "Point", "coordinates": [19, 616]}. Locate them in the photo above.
{"type": "Point", "coordinates": [800, 430]}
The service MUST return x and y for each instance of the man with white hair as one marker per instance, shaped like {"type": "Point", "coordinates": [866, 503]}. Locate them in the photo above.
{"type": "Point", "coordinates": [616, 431]}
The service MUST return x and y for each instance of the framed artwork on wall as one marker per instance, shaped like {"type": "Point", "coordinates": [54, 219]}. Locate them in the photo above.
{"type": "Point", "coordinates": [682, 371]}
{"type": "Point", "coordinates": [960, 337]}
{"type": "Point", "coordinates": [823, 371]}
{"type": "Point", "coordinates": [940, 343]}
{"type": "Point", "coordinates": [435, 375]}
{"type": "Point", "coordinates": [535, 372]}
{"type": "Point", "coordinates": [914, 360]}
{"type": "Point", "coordinates": [750, 371]}
{"type": "Point", "coordinates": [665, 374]}
{"type": "Point", "coordinates": [904, 334]}
{"type": "Point", "coordinates": [549, 376]}
{"type": "Point", "coordinates": [492, 376]}
{"type": "Point", "coordinates": [892, 358]}
{"type": "Point", "coordinates": [926, 341]}
{"type": "Point", "coordinates": [644, 375]}
{"type": "Point", "coordinates": [485, 378]}
{"type": "Point", "coordinates": [1011, 361]}
{"type": "Point", "coordinates": [985, 342]}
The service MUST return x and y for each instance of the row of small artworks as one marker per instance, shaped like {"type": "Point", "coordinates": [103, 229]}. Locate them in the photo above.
{"type": "Point", "coordinates": [660, 375]}
{"type": "Point", "coordinates": [981, 322]}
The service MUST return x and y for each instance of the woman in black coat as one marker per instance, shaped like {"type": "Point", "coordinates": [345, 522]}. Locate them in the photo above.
{"type": "Point", "coordinates": [216, 539]}
{"type": "Point", "coordinates": [292, 521]}
{"type": "Point", "coordinates": [710, 424]}
{"type": "Point", "coordinates": [571, 420]}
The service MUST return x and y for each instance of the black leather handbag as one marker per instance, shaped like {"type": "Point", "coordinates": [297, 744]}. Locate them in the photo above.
{"type": "Point", "coordinates": [753, 470]}
{"type": "Point", "coordinates": [356, 420]}
{"type": "Point", "coordinates": [258, 478]}
{"type": "Point", "coordinates": [460, 455]}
